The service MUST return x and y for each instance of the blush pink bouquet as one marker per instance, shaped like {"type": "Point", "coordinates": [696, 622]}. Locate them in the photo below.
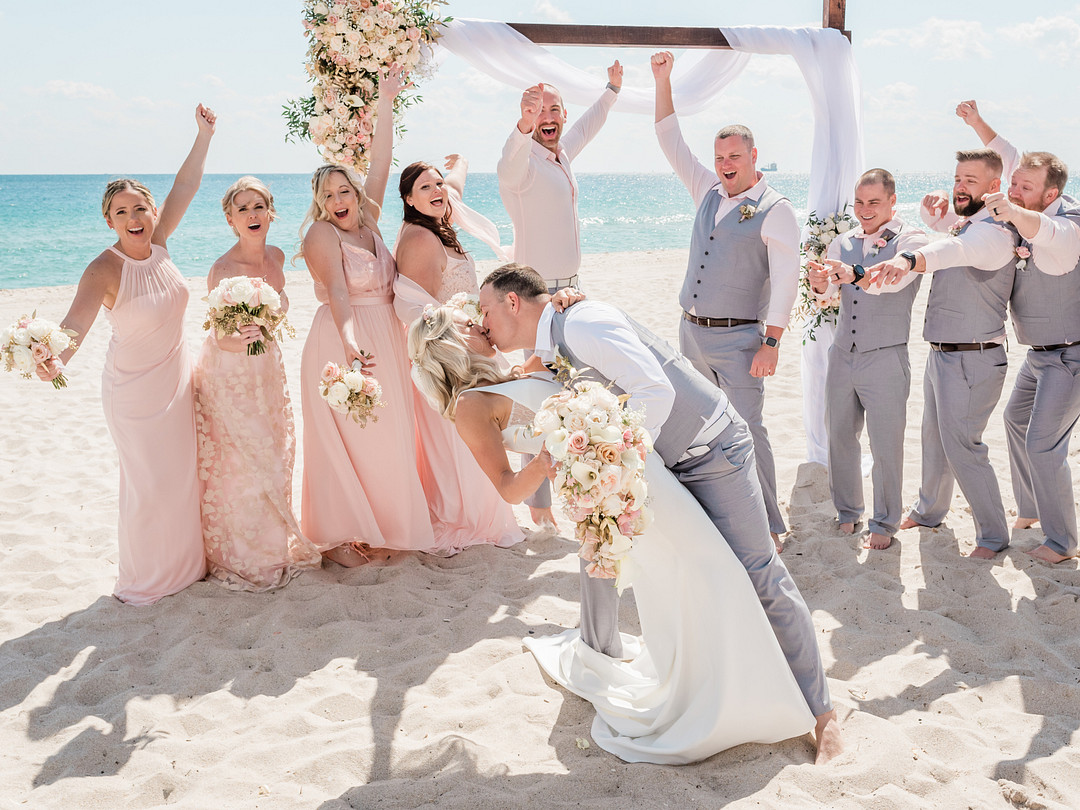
{"type": "Point", "coordinates": [241, 300]}
{"type": "Point", "coordinates": [32, 341]}
{"type": "Point", "coordinates": [350, 391]}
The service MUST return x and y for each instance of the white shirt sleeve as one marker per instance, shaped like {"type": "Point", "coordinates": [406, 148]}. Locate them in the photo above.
{"type": "Point", "coordinates": [982, 245]}
{"type": "Point", "coordinates": [1056, 247]}
{"type": "Point", "coordinates": [697, 178]}
{"type": "Point", "coordinates": [513, 167]}
{"type": "Point", "coordinates": [1010, 159]}
{"type": "Point", "coordinates": [780, 233]}
{"type": "Point", "coordinates": [908, 239]}
{"type": "Point", "coordinates": [585, 128]}
{"type": "Point", "coordinates": [605, 341]}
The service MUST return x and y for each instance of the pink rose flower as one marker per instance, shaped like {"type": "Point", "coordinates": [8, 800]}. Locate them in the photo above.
{"type": "Point", "coordinates": [1023, 253]}
{"type": "Point", "coordinates": [578, 443]}
{"type": "Point", "coordinates": [880, 243]}
{"type": "Point", "coordinates": [41, 352]}
{"type": "Point", "coordinates": [413, 33]}
{"type": "Point", "coordinates": [330, 371]}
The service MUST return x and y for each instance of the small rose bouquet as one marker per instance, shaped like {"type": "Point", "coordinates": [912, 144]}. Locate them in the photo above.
{"type": "Point", "coordinates": [1023, 253]}
{"type": "Point", "coordinates": [31, 341]}
{"type": "Point", "coordinates": [241, 300]}
{"type": "Point", "coordinates": [819, 235]}
{"type": "Point", "coordinates": [351, 392]}
{"type": "Point", "coordinates": [468, 304]}
{"type": "Point", "coordinates": [599, 447]}
{"type": "Point", "coordinates": [747, 212]}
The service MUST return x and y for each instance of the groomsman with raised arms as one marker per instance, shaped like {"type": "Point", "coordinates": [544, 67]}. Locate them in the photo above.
{"type": "Point", "coordinates": [869, 374]}
{"type": "Point", "coordinates": [965, 325]}
{"type": "Point", "coordinates": [743, 273]}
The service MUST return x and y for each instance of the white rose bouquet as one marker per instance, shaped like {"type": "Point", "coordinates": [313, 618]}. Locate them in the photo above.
{"type": "Point", "coordinates": [31, 341]}
{"type": "Point", "coordinates": [349, 391]}
{"type": "Point", "coordinates": [349, 43]}
{"type": "Point", "coordinates": [468, 304]}
{"type": "Point", "coordinates": [599, 447]}
{"type": "Point", "coordinates": [819, 235]}
{"type": "Point", "coordinates": [241, 300]}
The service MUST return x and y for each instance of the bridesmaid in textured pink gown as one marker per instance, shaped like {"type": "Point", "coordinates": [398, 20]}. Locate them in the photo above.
{"type": "Point", "coordinates": [244, 422]}
{"type": "Point", "coordinates": [360, 485]}
{"type": "Point", "coordinates": [146, 385]}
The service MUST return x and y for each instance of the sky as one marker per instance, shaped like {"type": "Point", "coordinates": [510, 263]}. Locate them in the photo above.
{"type": "Point", "coordinates": [111, 88]}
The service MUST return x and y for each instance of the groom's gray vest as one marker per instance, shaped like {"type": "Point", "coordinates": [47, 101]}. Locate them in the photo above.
{"type": "Point", "coordinates": [1046, 309]}
{"type": "Point", "coordinates": [727, 274]}
{"type": "Point", "coordinates": [696, 399]}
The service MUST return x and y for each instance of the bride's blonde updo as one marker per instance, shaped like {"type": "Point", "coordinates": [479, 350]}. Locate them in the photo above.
{"type": "Point", "coordinates": [443, 364]}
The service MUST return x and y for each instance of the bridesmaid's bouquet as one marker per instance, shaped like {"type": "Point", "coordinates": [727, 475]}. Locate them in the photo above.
{"type": "Point", "coordinates": [31, 341]}
{"type": "Point", "coordinates": [351, 392]}
{"type": "Point", "coordinates": [240, 300]}
{"type": "Point", "coordinates": [599, 446]}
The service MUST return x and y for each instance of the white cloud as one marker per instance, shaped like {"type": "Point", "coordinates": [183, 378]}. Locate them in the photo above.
{"type": "Point", "coordinates": [59, 87]}
{"type": "Point", "coordinates": [946, 40]}
{"type": "Point", "coordinates": [549, 11]}
{"type": "Point", "coordinates": [1052, 39]}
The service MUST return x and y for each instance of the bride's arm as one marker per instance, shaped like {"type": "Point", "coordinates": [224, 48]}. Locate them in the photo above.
{"type": "Point", "coordinates": [478, 428]}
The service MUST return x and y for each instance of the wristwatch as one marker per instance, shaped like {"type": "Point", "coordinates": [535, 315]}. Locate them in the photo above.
{"type": "Point", "coordinates": [772, 342]}
{"type": "Point", "coordinates": [907, 254]}
{"type": "Point", "coordinates": [859, 271]}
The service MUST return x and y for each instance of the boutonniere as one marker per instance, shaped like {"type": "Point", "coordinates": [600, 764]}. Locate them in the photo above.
{"type": "Point", "coordinates": [747, 212]}
{"type": "Point", "coordinates": [956, 227]}
{"type": "Point", "coordinates": [881, 242]}
{"type": "Point", "coordinates": [1022, 254]}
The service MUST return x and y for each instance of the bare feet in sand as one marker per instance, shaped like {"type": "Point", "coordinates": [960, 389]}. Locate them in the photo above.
{"type": "Point", "coordinates": [349, 555]}
{"type": "Point", "coordinates": [981, 553]}
{"type": "Point", "coordinates": [908, 523]}
{"type": "Point", "coordinates": [878, 541]}
{"type": "Point", "coordinates": [847, 528]}
{"type": "Point", "coordinates": [1047, 554]}
{"type": "Point", "coordinates": [542, 518]}
{"type": "Point", "coordinates": [827, 737]}
{"type": "Point", "coordinates": [776, 542]}
{"type": "Point", "coordinates": [1025, 523]}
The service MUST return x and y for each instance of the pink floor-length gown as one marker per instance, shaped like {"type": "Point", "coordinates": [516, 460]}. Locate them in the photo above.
{"type": "Point", "coordinates": [465, 507]}
{"type": "Point", "coordinates": [360, 483]}
{"type": "Point", "coordinates": [247, 445]}
{"type": "Point", "coordinates": [146, 393]}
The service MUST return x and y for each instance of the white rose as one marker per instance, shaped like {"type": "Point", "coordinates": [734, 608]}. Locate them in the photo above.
{"type": "Point", "coordinates": [59, 341]}
{"type": "Point", "coordinates": [842, 226]}
{"type": "Point", "coordinates": [5, 336]}
{"type": "Point", "coordinates": [21, 336]}
{"type": "Point", "coordinates": [39, 329]}
{"type": "Point", "coordinates": [216, 298]}
{"type": "Point", "coordinates": [354, 380]}
{"type": "Point", "coordinates": [321, 8]}
{"type": "Point", "coordinates": [545, 421]}
{"type": "Point", "coordinates": [337, 394]}
{"type": "Point", "coordinates": [23, 358]}
{"type": "Point", "coordinates": [270, 297]}
{"type": "Point", "coordinates": [243, 290]}
{"type": "Point", "coordinates": [575, 421]}
{"type": "Point", "coordinates": [612, 505]}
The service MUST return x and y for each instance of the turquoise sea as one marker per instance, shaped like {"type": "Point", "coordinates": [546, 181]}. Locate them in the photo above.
{"type": "Point", "coordinates": [51, 225]}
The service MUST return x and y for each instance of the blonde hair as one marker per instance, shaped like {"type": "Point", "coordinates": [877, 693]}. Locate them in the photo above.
{"type": "Point", "coordinates": [124, 184]}
{"type": "Point", "coordinates": [249, 183]}
{"type": "Point", "coordinates": [443, 365]}
{"type": "Point", "coordinates": [318, 213]}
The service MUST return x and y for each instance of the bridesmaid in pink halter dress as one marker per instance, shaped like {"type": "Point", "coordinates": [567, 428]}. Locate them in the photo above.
{"type": "Point", "coordinates": [360, 484]}
{"type": "Point", "coordinates": [146, 384]}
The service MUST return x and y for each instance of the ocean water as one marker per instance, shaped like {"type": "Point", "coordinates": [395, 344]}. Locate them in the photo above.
{"type": "Point", "coordinates": [51, 225]}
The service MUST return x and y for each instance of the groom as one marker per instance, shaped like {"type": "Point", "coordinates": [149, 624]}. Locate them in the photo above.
{"type": "Point", "coordinates": [701, 439]}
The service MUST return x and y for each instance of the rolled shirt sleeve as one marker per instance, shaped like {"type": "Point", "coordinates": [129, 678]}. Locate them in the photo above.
{"type": "Point", "coordinates": [780, 233]}
{"type": "Point", "coordinates": [983, 245]}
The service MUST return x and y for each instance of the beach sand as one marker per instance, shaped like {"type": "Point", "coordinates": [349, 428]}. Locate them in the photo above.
{"type": "Point", "coordinates": [404, 683]}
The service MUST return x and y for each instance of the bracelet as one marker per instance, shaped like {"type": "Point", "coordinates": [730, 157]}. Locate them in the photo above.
{"type": "Point", "coordinates": [613, 88]}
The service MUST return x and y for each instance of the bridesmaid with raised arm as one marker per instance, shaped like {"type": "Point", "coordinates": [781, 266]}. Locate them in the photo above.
{"type": "Point", "coordinates": [244, 421]}
{"type": "Point", "coordinates": [146, 386]}
{"type": "Point", "coordinates": [360, 484]}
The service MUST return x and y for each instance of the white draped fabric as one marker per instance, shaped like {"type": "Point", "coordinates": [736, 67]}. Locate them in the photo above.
{"type": "Point", "coordinates": [823, 55]}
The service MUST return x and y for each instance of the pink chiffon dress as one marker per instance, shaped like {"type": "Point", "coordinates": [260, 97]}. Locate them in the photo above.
{"type": "Point", "coordinates": [466, 509]}
{"type": "Point", "coordinates": [146, 393]}
{"type": "Point", "coordinates": [247, 445]}
{"type": "Point", "coordinates": [360, 484]}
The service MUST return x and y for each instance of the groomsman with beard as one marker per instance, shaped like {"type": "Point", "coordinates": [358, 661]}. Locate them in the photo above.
{"type": "Point", "coordinates": [1045, 403]}
{"type": "Point", "coordinates": [743, 274]}
{"type": "Point", "coordinates": [965, 326]}
{"type": "Point", "coordinates": [869, 375]}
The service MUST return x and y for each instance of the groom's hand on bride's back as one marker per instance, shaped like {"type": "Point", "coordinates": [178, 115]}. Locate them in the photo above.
{"type": "Point", "coordinates": [566, 297]}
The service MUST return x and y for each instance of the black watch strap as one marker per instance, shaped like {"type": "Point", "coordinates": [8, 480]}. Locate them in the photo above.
{"type": "Point", "coordinates": [907, 254]}
{"type": "Point", "coordinates": [859, 271]}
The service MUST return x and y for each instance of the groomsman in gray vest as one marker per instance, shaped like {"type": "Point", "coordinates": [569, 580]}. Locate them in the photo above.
{"type": "Point", "coordinates": [1045, 402]}
{"type": "Point", "coordinates": [742, 276]}
{"type": "Point", "coordinates": [965, 326]}
{"type": "Point", "coordinates": [869, 375]}
{"type": "Point", "coordinates": [701, 439]}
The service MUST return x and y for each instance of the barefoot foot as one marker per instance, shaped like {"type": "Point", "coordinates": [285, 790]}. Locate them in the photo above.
{"type": "Point", "coordinates": [348, 555]}
{"type": "Point", "coordinates": [847, 528]}
{"type": "Point", "coordinates": [1047, 554]}
{"type": "Point", "coordinates": [908, 523]}
{"type": "Point", "coordinates": [981, 553]}
{"type": "Point", "coordinates": [776, 542]}
{"type": "Point", "coordinates": [542, 517]}
{"type": "Point", "coordinates": [878, 541]}
{"type": "Point", "coordinates": [827, 737]}
{"type": "Point", "coordinates": [1025, 523]}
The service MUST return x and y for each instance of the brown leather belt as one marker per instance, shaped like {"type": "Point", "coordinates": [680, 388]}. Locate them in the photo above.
{"type": "Point", "coordinates": [718, 321]}
{"type": "Point", "coordinates": [962, 347]}
{"type": "Point", "coordinates": [1055, 347]}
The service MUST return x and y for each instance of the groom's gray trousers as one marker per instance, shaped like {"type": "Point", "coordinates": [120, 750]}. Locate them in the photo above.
{"type": "Point", "coordinates": [724, 481]}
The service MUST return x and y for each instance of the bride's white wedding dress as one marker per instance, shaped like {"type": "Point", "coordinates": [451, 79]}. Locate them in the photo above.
{"type": "Point", "coordinates": [707, 673]}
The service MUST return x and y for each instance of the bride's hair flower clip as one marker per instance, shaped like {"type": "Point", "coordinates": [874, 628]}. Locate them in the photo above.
{"type": "Point", "coordinates": [428, 313]}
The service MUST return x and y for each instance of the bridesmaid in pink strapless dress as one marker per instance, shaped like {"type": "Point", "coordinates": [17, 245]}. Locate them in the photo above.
{"type": "Point", "coordinates": [146, 384]}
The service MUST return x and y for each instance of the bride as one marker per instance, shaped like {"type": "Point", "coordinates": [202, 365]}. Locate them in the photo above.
{"type": "Point", "coordinates": [707, 673]}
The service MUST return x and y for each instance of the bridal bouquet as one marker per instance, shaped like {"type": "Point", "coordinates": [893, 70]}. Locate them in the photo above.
{"type": "Point", "coordinates": [468, 304]}
{"type": "Point", "coordinates": [820, 234]}
{"type": "Point", "coordinates": [31, 341]}
{"type": "Point", "coordinates": [241, 300]}
{"type": "Point", "coordinates": [599, 447]}
{"type": "Point", "coordinates": [349, 43]}
{"type": "Point", "coordinates": [351, 392]}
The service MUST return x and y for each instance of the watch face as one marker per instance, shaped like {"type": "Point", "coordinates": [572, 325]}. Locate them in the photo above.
{"type": "Point", "coordinates": [771, 341]}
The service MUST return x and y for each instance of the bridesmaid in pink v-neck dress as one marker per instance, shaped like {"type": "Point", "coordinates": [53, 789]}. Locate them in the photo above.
{"type": "Point", "coordinates": [146, 384]}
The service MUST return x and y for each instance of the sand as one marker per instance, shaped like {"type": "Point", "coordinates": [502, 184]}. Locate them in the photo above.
{"type": "Point", "coordinates": [404, 683]}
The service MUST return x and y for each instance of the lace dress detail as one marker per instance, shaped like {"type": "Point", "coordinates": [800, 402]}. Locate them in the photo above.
{"type": "Point", "coordinates": [459, 276]}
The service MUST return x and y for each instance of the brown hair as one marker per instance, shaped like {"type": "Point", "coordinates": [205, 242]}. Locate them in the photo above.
{"type": "Point", "coordinates": [1057, 173]}
{"type": "Point", "coordinates": [874, 176]}
{"type": "Point", "coordinates": [440, 227]}
{"type": "Point", "coordinates": [731, 130]}
{"type": "Point", "coordinates": [124, 184]}
{"type": "Point", "coordinates": [990, 158]}
{"type": "Point", "coordinates": [516, 278]}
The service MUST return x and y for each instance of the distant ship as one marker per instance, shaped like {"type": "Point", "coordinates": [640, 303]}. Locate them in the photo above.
{"type": "Point", "coordinates": [770, 168]}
